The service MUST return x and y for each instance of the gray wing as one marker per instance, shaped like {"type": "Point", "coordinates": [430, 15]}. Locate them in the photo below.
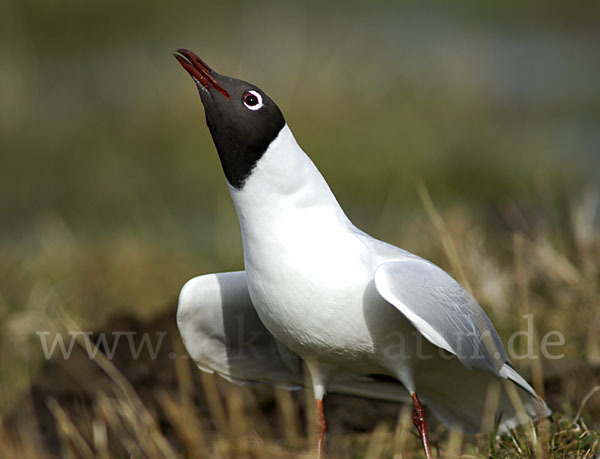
{"type": "Point", "coordinates": [223, 334]}
{"type": "Point", "coordinates": [442, 311]}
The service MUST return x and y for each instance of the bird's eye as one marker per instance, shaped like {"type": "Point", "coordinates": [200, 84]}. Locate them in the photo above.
{"type": "Point", "coordinates": [252, 100]}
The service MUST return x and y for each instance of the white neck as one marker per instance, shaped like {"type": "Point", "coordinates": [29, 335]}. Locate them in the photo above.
{"type": "Point", "coordinates": [285, 182]}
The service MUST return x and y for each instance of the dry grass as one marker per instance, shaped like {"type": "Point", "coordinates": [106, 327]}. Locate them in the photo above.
{"type": "Point", "coordinates": [117, 424]}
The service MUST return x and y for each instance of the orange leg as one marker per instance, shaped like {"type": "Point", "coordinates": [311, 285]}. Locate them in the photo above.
{"type": "Point", "coordinates": [418, 418]}
{"type": "Point", "coordinates": [322, 426]}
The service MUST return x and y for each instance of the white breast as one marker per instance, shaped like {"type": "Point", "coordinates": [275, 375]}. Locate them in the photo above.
{"type": "Point", "coordinates": [307, 268]}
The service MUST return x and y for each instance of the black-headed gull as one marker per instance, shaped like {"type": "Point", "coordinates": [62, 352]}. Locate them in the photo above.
{"type": "Point", "coordinates": [366, 318]}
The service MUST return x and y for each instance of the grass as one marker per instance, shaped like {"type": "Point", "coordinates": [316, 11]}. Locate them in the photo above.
{"type": "Point", "coordinates": [118, 423]}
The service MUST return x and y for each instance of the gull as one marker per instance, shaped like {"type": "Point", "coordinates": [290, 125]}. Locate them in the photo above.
{"type": "Point", "coordinates": [365, 317]}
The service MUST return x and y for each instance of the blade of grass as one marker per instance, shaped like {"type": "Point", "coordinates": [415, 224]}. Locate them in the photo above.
{"type": "Point", "coordinates": [444, 234]}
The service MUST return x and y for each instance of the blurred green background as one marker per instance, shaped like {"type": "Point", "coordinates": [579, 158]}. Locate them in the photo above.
{"type": "Point", "coordinates": [101, 128]}
{"type": "Point", "coordinates": [112, 192]}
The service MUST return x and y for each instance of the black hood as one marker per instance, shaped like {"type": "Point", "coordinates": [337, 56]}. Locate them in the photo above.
{"type": "Point", "coordinates": [242, 119]}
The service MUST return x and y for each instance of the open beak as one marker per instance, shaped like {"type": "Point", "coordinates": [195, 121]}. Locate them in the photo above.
{"type": "Point", "coordinates": [198, 70]}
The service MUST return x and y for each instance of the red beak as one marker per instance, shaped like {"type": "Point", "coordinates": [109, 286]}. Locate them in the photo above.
{"type": "Point", "coordinates": [199, 70]}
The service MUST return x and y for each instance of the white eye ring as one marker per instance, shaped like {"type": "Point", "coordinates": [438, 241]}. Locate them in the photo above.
{"type": "Point", "coordinates": [252, 95]}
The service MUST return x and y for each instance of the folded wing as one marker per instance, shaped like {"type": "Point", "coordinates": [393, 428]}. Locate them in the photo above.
{"type": "Point", "coordinates": [442, 311]}
{"type": "Point", "coordinates": [450, 318]}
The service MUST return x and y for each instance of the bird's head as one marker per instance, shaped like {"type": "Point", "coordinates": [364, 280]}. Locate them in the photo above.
{"type": "Point", "coordinates": [242, 119]}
